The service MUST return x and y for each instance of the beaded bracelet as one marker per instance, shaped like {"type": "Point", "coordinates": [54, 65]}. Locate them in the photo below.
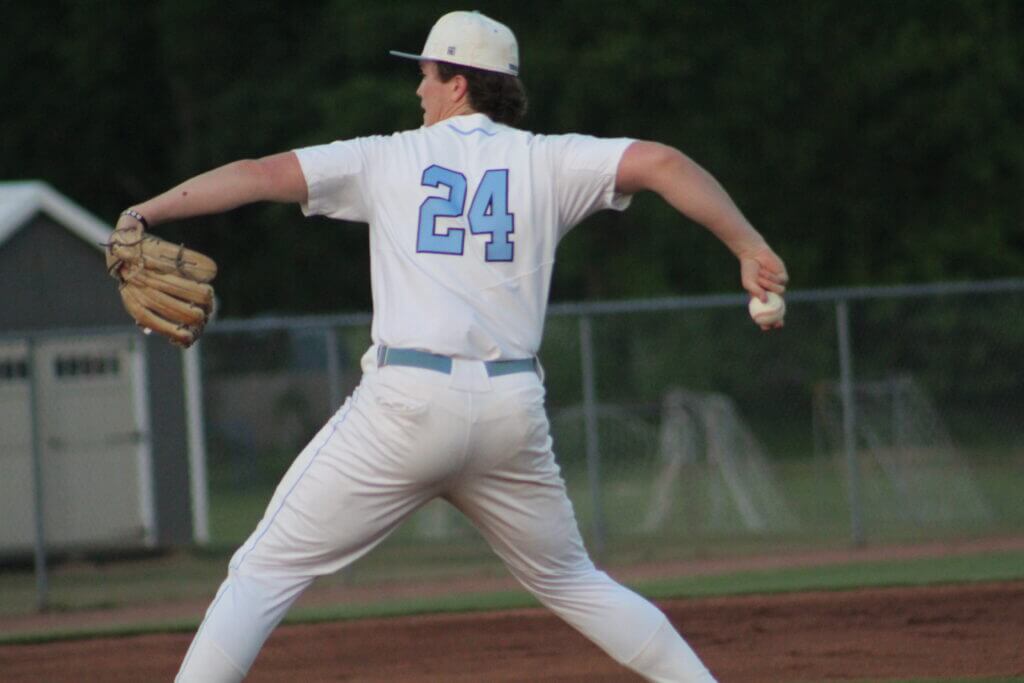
{"type": "Point", "coordinates": [137, 216]}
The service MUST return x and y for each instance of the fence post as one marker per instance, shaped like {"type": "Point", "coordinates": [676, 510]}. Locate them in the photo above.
{"type": "Point", "coordinates": [591, 435]}
{"type": "Point", "coordinates": [42, 579]}
{"type": "Point", "coordinates": [192, 371]}
{"type": "Point", "coordinates": [848, 401]}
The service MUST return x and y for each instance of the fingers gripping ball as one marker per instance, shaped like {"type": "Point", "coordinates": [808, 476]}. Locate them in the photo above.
{"type": "Point", "coordinates": [164, 287]}
{"type": "Point", "coordinates": [767, 312]}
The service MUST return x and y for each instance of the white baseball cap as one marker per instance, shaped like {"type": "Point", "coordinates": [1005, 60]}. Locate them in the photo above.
{"type": "Point", "coordinates": [471, 39]}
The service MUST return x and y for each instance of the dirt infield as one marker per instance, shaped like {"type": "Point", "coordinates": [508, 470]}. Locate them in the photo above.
{"type": "Point", "coordinates": [970, 630]}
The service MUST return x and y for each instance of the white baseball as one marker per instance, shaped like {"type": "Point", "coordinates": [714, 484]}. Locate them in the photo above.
{"type": "Point", "coordinates": [767, 312]}
{"type": "Point", "coordinates": [146, 330]}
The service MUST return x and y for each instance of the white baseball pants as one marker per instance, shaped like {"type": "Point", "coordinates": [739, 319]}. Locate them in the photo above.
{"type": "Point", "coordinates": [405, 436]}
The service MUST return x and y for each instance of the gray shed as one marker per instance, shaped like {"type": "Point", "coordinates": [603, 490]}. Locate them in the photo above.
{"type": "Point", "coordinates": [118, 414]}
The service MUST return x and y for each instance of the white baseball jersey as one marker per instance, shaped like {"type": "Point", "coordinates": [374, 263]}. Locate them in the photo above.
{"type": "Point", "coordinates": [465, 216]}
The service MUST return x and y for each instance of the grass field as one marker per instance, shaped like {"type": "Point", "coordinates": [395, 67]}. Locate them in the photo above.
{"type": "Point", "coordinates": [689, 557]}
{"type": "Point", "coordinates": [438, 543]}
{"type": "Point", "coordinates": [813, 489]}
{"type": "Point", "coordinates": [989, 566]}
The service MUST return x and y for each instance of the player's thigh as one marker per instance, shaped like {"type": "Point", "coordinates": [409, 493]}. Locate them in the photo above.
{"type": "Point", "coordinates": [520, 503]}
{"type": "Point", "coordinates": [343, 494]}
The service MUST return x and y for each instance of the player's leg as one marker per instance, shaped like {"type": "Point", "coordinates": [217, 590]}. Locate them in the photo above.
{"type": "Point", "coordinates": [552, 565]}
{"type": "Point", "coordinates": [516, 497]}
{"type": "Point", "coordinates": [364, 473]}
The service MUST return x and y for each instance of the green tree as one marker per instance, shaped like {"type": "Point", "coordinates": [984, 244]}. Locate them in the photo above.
{"type": "Point", "coordinates": [876, 142]}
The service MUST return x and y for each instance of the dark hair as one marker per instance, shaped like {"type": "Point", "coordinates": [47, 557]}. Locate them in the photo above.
{"type": "Point", "coordinates": [501, 96]}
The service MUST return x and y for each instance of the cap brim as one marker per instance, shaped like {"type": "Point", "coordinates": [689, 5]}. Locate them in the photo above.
{"type": "Point", "coordinates": [422, 58]}
{"type": "Point", "coordinates": [407, 55]}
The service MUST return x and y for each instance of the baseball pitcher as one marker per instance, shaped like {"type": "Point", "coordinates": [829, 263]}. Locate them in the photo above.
{"type": "Point", "coordinates": [464, 214]}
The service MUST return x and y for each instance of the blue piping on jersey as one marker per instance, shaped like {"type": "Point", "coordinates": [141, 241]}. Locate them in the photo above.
{"type": "Point", "coordinates": [470, 132]}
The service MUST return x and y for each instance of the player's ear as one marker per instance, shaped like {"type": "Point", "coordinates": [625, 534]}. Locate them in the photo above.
{"type": "Point", "coordinates": [459, 87]}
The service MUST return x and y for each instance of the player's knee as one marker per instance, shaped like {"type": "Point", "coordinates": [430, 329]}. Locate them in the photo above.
{"type": "Point", "coordinates": [563, 580]}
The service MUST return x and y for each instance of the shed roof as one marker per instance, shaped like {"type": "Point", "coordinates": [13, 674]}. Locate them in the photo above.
{"type": "Point", "coordinates": [21, 200]}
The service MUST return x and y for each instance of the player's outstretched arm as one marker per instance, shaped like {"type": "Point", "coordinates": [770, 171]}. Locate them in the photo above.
{"type": "Point", "coordinates": [277, 178]}
{"type": "Point", "coordinates": [695, 193]}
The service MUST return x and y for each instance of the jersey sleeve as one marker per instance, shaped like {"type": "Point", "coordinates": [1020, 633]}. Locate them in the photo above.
{"type": "Point", "coordinates": [586, 168]}
{"type": "Point", "coordinates": [336, 180]}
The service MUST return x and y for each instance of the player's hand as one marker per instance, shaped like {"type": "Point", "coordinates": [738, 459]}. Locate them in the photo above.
{"type": "Point", "coordinates": [762, 271]}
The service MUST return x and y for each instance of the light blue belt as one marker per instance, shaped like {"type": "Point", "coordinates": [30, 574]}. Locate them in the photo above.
{"type": "Point", "coordinates": [431, 361]}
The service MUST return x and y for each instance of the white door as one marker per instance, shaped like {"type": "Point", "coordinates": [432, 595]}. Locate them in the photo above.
{"type": "Point", "coordinates": [97, 483]}
{"type": "Point", "coordinates": [94, 443]}
{"type": "Point", "coordinates": [16, 507]}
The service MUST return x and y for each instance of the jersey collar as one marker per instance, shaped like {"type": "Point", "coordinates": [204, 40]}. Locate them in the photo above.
{"type": "Point", "coordinates": [469, 124]}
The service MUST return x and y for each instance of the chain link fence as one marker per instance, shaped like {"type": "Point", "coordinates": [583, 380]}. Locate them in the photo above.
{"type": "Point", "coordinates": [875, 415]}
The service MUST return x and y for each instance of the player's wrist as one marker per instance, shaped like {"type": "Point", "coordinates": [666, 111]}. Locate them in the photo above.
{"type": "Point", "coordinates": [751, 248]}
{"type": "Point", "coordinates": [137, 216]}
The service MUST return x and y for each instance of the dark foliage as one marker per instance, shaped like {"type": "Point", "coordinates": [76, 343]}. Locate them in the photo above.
{"type": "Point", "coordinates": [872, 142]}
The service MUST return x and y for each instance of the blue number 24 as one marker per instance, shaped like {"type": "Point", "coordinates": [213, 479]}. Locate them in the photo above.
{"type": "Point", "coordinates": [488, 214]}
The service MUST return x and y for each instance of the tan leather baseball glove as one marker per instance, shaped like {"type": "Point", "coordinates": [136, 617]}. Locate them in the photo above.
{"type": "Point", "coordinates": [165, 287]}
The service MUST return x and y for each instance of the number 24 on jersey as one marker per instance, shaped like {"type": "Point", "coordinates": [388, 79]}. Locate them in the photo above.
{"type": "Point", "coordinates": [488, 214]}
